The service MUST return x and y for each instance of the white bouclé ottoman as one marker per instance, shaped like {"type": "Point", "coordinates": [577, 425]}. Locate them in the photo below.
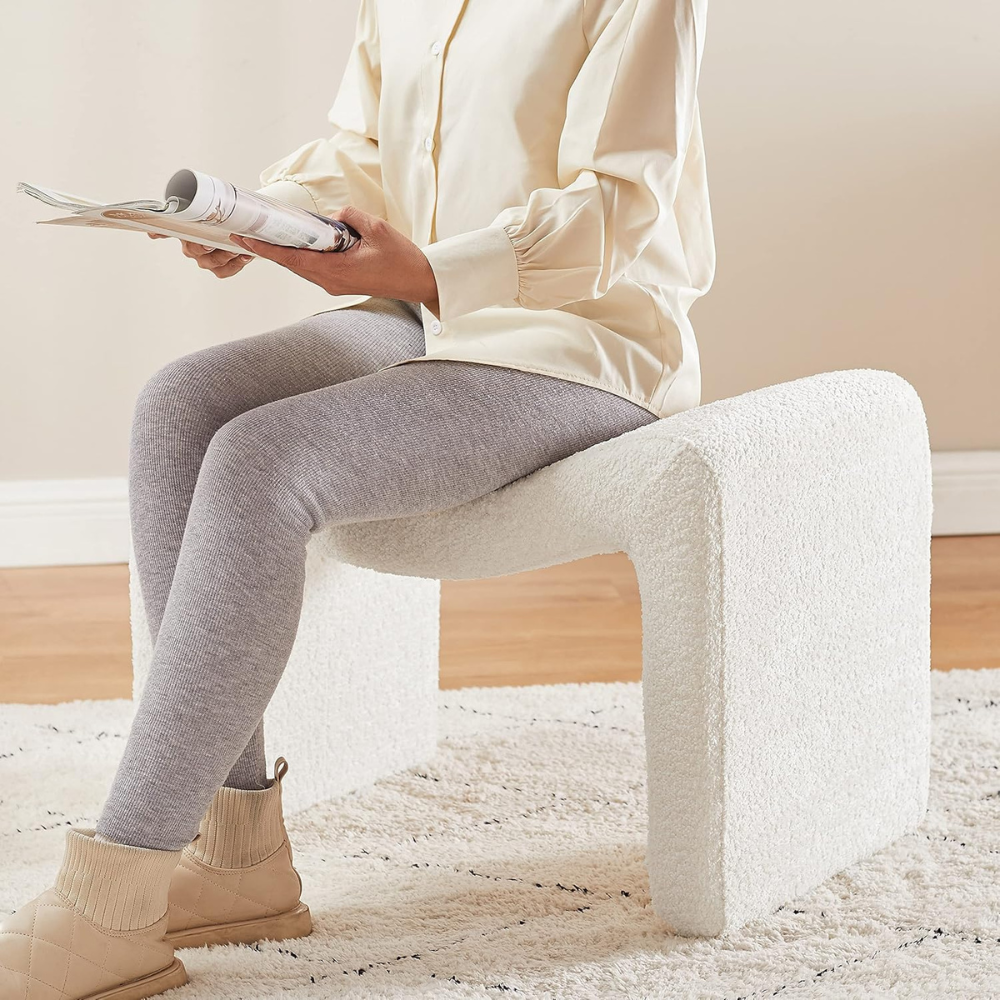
{"type": "Point", "coordinates": [781, 541]}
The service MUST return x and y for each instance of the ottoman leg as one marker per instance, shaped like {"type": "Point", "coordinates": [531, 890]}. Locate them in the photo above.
{"type": "Point", "coordinates": [785, 582]}
{"type": "Point", "coordinates": [682, 710]}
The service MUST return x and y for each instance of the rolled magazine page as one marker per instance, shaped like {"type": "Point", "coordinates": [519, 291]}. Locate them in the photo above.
{"type": "Point", "coordinates": [202, 198]}
{"type": "Point", "coordinates": [206, 210]}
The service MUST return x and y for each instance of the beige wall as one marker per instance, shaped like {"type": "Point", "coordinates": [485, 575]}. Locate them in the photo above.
{"type": "Point", "coordinates": [854, 161]}
{"type": "Point", "coordinates": [853, 156]}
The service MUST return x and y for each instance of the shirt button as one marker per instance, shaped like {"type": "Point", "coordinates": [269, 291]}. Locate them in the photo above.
{"type": "Point", "coordinates": [428, 143]}
{"type": "Point", "coordinates": [436, 48]}
{"type": "Point", "coordinates": [435, 327]}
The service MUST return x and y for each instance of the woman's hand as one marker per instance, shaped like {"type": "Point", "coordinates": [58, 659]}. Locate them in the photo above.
{"type": "Point", "coordinates": [221, 263]}
{"type": "Point", "coordinates": [384, 263]}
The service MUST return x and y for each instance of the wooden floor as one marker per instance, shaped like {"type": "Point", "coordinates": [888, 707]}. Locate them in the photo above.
{"type": "Point", "coordinates": [64, 631]}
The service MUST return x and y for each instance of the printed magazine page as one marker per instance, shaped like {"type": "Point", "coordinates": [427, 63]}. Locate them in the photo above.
{"type": "Point", "coordinates": [203, 209]}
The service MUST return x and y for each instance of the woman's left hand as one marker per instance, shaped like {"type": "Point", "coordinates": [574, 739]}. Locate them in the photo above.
{"type": "Point", "coordinates": [385, 263]}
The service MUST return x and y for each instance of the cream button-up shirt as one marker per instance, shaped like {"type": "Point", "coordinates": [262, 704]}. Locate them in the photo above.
{"type": "Point", "coordinates": [547, 157]}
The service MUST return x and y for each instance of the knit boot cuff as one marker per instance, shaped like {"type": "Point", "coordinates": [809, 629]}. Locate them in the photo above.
{"type": "Point", "coordinates": [118, 887]}
{"type": "Point", "coordinates": [242, 827]}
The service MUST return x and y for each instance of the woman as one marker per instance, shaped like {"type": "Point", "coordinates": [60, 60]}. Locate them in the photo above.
{"type": "Point", "coordinates": [529, 184]}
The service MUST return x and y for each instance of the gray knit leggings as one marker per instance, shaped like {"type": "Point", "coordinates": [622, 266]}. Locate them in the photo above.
{"type": "Point", "coordinates": [238, 453]}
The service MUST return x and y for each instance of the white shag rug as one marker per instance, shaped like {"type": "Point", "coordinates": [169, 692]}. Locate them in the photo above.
{"type": "Point", "coordinates": [513, 865]}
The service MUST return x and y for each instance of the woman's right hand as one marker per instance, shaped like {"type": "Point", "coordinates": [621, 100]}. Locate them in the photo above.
{"type": "Point", "coordinates": [221, 263]}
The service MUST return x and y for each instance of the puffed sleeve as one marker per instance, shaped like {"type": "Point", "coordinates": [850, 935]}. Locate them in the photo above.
{"type": "Point", "coordinates": [343, 169]}
{"type": "Point", "coordinates": [629, 118]}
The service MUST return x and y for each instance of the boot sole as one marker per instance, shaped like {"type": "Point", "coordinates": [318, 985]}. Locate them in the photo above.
{"type": "Point", "coordinates": [150, 986]}
{"type": "Point", "coordinates": [293, 924]}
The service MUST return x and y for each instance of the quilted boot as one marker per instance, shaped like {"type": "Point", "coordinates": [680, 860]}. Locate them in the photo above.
{"type": "Point", "coordinates": [235, 883]}
{"type": "Point", "coordinates": [98, 934]}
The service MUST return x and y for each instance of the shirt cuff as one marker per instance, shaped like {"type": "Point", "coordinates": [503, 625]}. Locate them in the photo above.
{"type": "Point", "coordinates": [473, 270]}
{"type": "Point", "coordinates": [290, 193]}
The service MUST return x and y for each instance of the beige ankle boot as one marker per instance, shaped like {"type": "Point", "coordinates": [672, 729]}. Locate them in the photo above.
{"type": "Point", "coordinates": [235, 883]}
{"type": "Point", "coordinates": [99, 933]}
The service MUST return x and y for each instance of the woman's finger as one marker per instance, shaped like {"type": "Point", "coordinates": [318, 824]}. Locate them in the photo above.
{"type": "Point", "coordinates": [229, 269]}
{"type": "Point", "coordinates": [218, 258]}
{"type": "Point", "coordinates": [356, 218]}
{"type": "Point", "coordinates": [196, 249]}
{"type": "Point", "coordinates": [290, 257]}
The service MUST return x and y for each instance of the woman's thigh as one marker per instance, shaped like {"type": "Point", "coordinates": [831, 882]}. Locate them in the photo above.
{"type": "Point", "coordinates": [221, 381]}
{"type": "Point", "coordinates": [412, 439]}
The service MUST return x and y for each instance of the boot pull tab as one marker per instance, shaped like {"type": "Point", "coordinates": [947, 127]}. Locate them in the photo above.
{"type": "Point", "coordinates": [280, 769]}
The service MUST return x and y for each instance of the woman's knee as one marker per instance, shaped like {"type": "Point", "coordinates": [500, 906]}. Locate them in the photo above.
{"type": "Point", "coordinates": [180, 404]}
{"type": "Point", "coordinates": [251, 467]}
{"type": "Point", "coordinates": [174, 387]}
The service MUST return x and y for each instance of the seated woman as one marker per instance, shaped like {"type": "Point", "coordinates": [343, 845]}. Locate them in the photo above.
{"type": "Point", "coordinates": [528, 180]}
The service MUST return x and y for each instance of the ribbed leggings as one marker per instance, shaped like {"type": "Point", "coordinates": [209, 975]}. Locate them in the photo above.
{"type": "Point", "coordinates": [238, 453]}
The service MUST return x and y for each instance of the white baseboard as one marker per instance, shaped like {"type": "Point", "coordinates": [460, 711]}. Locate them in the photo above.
{"type": "Point", "coordinates": [64, 522]}
{"type": "Point", "coordinates": [73, 522]}
{"type": "Point", "coordinates": [966, 492]}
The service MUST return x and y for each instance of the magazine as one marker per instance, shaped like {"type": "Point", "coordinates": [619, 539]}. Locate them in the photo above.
{"type": "Point", "coordinates": [205, 210]}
